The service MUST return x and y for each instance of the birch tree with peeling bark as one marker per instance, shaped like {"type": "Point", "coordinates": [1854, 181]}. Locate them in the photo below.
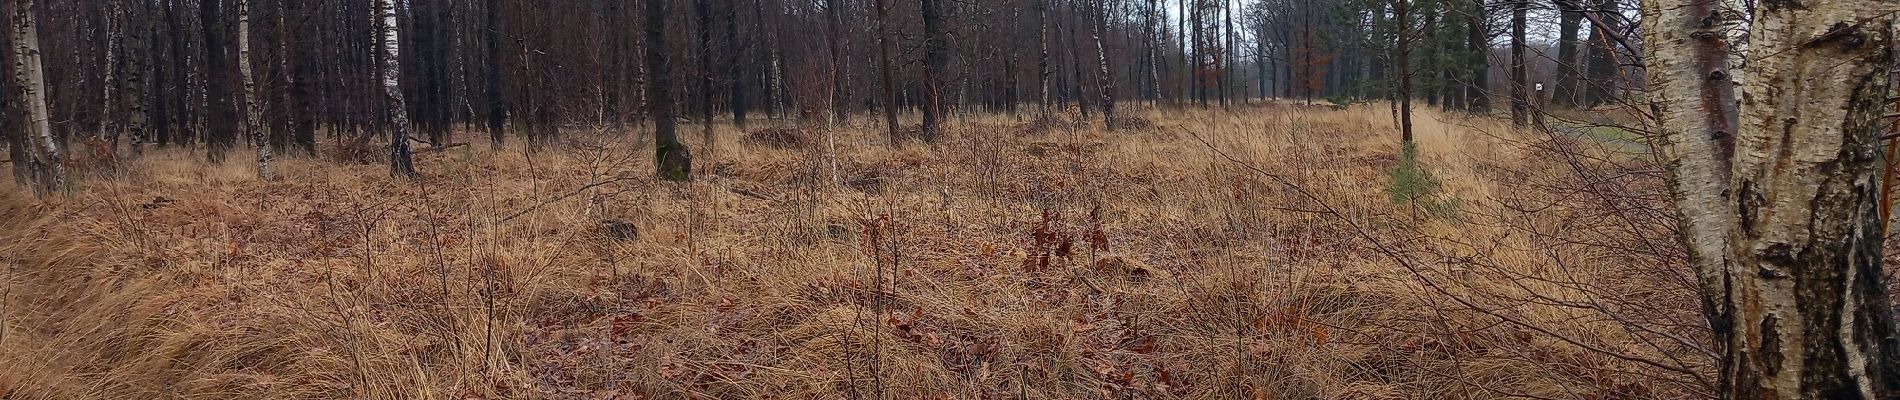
{"type": "Point", "coordinates": [1777, 192]}
{"type": "Point", "coordinates": [115, 46]}
{"type": "Point", "coordinates": [400, 163]}
{"type": "Point", "coordinates": [253, 112]}
{"type": "Point", "coordinates": [43, 158]}
{"type": "Point", "coordinates": [1100, 16]}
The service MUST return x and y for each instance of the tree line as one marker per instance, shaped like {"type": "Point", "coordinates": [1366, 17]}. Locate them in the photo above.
{"type": "Point", "coordinates": [129, 74]}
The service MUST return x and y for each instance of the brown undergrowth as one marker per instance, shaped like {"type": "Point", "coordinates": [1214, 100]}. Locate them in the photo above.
{"type": "Point", "coordinates": [1204, 254]}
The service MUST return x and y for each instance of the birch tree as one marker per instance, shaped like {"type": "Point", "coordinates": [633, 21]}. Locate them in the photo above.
{"type": "Point", "coordinates": [43, 161]}
{"type": "Point", "coordinates": [1042, 56]}
{"type": "Point", "coordinates": [115, 46]}
{"type": "Point", "coordinates": [1100, 17]}
{"type": "Point", "coordinates": [253, 112]}
{"type": "Point", "coordinates": [400, 163]}
{"type": "Point", "coordinates": [1778, 191]}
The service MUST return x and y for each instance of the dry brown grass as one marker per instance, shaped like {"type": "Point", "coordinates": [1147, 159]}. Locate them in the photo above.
{"type": "Point", "coordinates": [1068, 264]}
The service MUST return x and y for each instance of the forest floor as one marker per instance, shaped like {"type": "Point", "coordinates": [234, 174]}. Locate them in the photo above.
{"type": "Point", "coordinates": [1251, 253]}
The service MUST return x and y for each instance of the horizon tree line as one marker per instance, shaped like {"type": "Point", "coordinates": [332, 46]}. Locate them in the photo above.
{"type": "Point", "coordinates": [205, 73]}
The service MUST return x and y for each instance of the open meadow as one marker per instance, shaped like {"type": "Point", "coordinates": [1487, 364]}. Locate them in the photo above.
{"type": "Point", "coordinates": [1269, 251]}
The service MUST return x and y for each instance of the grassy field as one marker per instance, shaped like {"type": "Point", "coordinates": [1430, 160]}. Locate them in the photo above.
{"type": "Point", "coordinates": [1251, 253]}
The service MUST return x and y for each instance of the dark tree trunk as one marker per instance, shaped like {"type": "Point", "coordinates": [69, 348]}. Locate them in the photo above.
{"type": "Point", "coordinates": [491, 83]}
{"type": "Point", "coordinates": [1520, 93]}
{"type": "Point", "coordinates": [1224, 64]}
{"type": "Point", "coordinates": [303, 123]}
{"type": "Point", "coordinates": [1195, 61]}
{"type": "Point", "coordinates": [672, 160]}
{"type": "Point", "coordinates": [936, 63]}
{"type": "Point", "coordinates": [884, 72]}
{"type": "Point", "coordinates": [1405, 71]}
{"type": "Point", "coordinates": [1075, 60]}
{"type": "Point", "coordinates": [1600, 82]}
{"type": "Point", "coordinates": [834, 14]}
{"type": "Point", "coordinates": [703, 100]}
{"type": "Point", "coordinates": [735, 72]}
{"type": "Point", "coordinates": [1042, 57]}
{"type": "Point", "coordinates": [1478, 90]}
{"type": "Point", "coordinates": [222, 116]}
{"type": "Point", "coordinates": [1567, 74]}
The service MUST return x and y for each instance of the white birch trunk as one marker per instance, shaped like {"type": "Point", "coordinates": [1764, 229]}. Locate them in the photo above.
{"type": "Point", "coordinates": [1697, 114]}
{"type": "Point", "coordinates": [1100, 16]}
{"type": "Point", "coordinates": [44, 163]}
{"type": "Point", "coordinates": [1811, 314]}
{"type": "Point", "coordinates": [1779, 195]}
{"type": "Point", "coordinates": [400, 164]}
{"type": "Point", "coordinates": [115, 45]}
{"type": "Point", "coordinates": [253, 111]}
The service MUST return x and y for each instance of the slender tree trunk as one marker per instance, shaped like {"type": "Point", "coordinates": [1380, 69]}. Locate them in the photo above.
{"type": "Point", "coordinates": [302, 86]}
{"type": "Point", "coordinates": [253, 110]}
{"type": "Point", "coordinates": [222, 117]}
{"type": "Point", "coordinates": [1100, 17]}
{"type": "Point", "coordinates": [834, 14]}
{"type": "Point", "coordinates": [884, 72]}
{"type": "Point", "coordinates": [702, 16]}
{"type": "Point", "coordinates": [1076, 66]}
{"type": "Point", "coordinates": [768, 55]}
{"type": "Point", "coordinates": [1197, 62]}
{"type": "Point", "coordinates": [43, 161]}
{"type": "Point", "coordinates": [1154, 54]}
{"type": "Point", "coordinates": [1181, 39]}
{"type": "Point", "coordinates": [137, 59]}
{"type": "Point", "coordinates": [168, 79]}
{"type": "Point", "coordinates": [1262, 63]}
{"type": "Point", "coordinates": [1568, 73]}
{"type": "Point", "coordinates": [1601, 70]}
{"type": "Point", "coordinates": [735, 74]}
{"type": "Point", "coordinates": [1520, 92]}
{"type": "Point", "coordinates": [1400, 10]}
{"type": "Point", "coordinates": [1478, 90]}
{"type": "Point", "coordinates": [1306, 79]}
{"type": "Point", "coordinates": [491, 82]}
{"type": "Point", "coordinates": [1042, 60]}
{"type": "Point", "coordinates": [115, 49]}
{"type": "Point", "coordinates": [1227, 57]}
{"type": "Point", "coordinates": [936, 64]}
{"type": "Point", "coordinates": [400, 163]}
{"type": "Point", "coordinates": [672, 160]}
{"type": "Point", "coordinates": [1428, 31]}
